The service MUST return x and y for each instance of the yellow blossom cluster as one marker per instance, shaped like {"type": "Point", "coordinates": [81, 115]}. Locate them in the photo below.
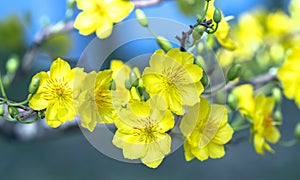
{"type": "Point", "coordinates": [143, 107]}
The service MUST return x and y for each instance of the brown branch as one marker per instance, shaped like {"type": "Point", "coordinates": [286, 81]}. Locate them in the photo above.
{"type": "Point", "coordinates": [255, 81]}
{"type": "Point", "coordinates": [46, 33]}
{"type": "Point", "coordinates": [146, 3]}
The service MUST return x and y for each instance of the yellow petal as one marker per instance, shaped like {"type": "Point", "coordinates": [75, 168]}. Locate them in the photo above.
{"type": "Point", "coordinates": [272, 134]}
{"type": "Point", "coordinates": [86, 5]}
{"type": "Point", "coordinates": [201, 154]}
{"type": "Point", "coordinates": [38, 102]}
{"type": "Point", "coordinates": [87, 22]}
{"type": "Point", "coordinates": [216, 150]}
{"type": "Point", "coordinates": [118, 10]}
{"type": "Point", "coordinates": [223, 135]}
{"type": "Point", "coordinates": [141, 109]}
{"type": "Point", "coordinates": [194, 71]}
{"type": "Point", "coordinates": [188, 152]}
{"type": "Point", "coordinates": [59, 69]}
{"type": "Point", "coordinates": [104, 30]}
{"type": "Point", "coordinates": [258, 144]}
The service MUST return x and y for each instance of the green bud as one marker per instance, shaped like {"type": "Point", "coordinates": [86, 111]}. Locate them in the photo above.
{"type": "Point", "coordinates": [141, 17]}
{"type": "Point", "coordinates": [232, 101]}
{"type": "Point", "coordinates": [13, 111]}
{"type": "Point", "coordinates": [234, 72]}
{"type": "Point", "coordinates": [12, 64]}
{"type": "Point", "coordinates": [127, 84]}
{"type": "Point", "coordinates": [276, 93]}
{"type": "Point", "coordinates": [297, 131]}
{"type": "Point", "coordinates": [217, 17]}
{"type": "Point", "coordinates": [34, 85]}
{"type": "Point", "coordinates": [197, 33]}
{"type": "Point", "coordinates": [134, 80]}
{"type": "Point", "coordinates": [113, 85]}
{"type": "Point", "coordinates": [204, 80]}
{"type": "Point", "coordinates": [145, 94]}
{"type": "Point", "coordinates": [1, 111]}
{"type": "Point", "coordinates": [163, 43]}
{"type": "Point", "coordinates": [277, 116]}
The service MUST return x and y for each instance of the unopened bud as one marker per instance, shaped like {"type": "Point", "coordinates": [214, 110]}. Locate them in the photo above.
{"type": "Point", "coordinates": [12, 64]}
{"type": "Point", "coordinates": [127, 84]}
{"type": "Point", "coordinates": [13, 111]}
{"type": "Point", "coordinates": [297, 131]}
{"type": "Point", "coordinates": [134, 80]}
{"type": "Point", "coordinates": [113, 85]}
{"type": "Point", "coordinates": [197, 33]}
{"type": "Point", "coordinates": [232, 101]}
{"type": "Point", "coordinates": [141, 17]}
{"type": "Point", "coordinates": [1, 111]}
{"type": "Point", "coordinates": [278, 116]}
{"type": "Point", "coordinates": [163, 43]}
{"type": "Point", "coordinates": [276, 93]}
{"type": "Point", "coordinates": [204, 80]}
{"type": "Point", "coordinates": [217, 17]}
{"type": "Point", "coordinates": [34, 85]}
{"type": "Point", "coordinates": [234, 72]}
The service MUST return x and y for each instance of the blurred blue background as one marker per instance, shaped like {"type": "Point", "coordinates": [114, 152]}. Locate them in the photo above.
{"type": "Point", "coordinates": [72, 157]}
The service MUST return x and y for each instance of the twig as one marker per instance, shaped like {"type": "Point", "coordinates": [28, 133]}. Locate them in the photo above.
{"type": "Point", "coordinates": [255, 81]}
{"type": "Point", "coordinates": [46, 33]}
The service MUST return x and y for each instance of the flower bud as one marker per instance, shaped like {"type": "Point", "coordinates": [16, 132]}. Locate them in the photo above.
{"type": "Point", "coordinates": [34, 85]}
{"type": "Point", "coordinates": [234, 72]}
{"type": "Point", "coordinates": [12, 64]}
{"type": "Point", "coordinates": [232, 101]}
{"type": "Point", "coordinates": [276, 93]}
{"type": "Point", "coordinates": [217, 17]}
{"type": "Point", "coordinates": [134, 80]}
{"type": "Point", "coordinates": [141, 17]}
{"type": "Point", "coordinates": [163, 43]}
{"type": "Point", "coordinates": [277, 116]}
{"type": "Point", "coordinates": [197, 33]}
{"type": "Point", "coordinates": [1, 111]}
{"type": "Point", "coordinates": [113, 85]}
{"type": "Point", "coordinates": [297, 131]}
{"type": "Point", "coordinates": [127, 84]}
{"type": "Point", "coordinates": [13, 111]}
{"type": "Point", "coordinates": [204, 80]}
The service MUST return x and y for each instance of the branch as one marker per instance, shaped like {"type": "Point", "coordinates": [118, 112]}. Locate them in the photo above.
{"type": "Point", "coordinates": [46, 33]}
{"type": "Point", "coordinates": [145, 3]}
{"type": "Point", "coordinates": [255, 81]}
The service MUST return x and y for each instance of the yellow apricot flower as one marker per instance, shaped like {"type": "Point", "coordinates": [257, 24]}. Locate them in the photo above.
{"type": "Point", "coordinates": [94, 103]}
{"type": "Point", "coordinates": [99, 16]}
{"type": "Point", "coordinates": [174, 77]}
{"type": "Point", "coordinates": [142, 131]}
{"type": "Point", "coordinates": [263, 124]}
{"type": "Point", "coordinates": [289, 75]}
{"type": "Point", "coordinates": [55, 93]}
{"type": "Point", "coordinates": [222, 34]}
{"type": "Point", "coordinates": [207, 134]}
{"type": "Point", "coordinates": [259, 111]}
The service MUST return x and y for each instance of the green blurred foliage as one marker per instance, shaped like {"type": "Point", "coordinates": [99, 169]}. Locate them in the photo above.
{"type": "Point", "coordinates": [11, 37]}
{"type": "Point", "coordinates": [57, 46]}
{"type": "Point", "coordinates": [191, 7]}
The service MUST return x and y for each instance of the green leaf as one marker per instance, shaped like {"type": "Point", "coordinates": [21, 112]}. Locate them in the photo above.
{"type": "Point", "coordinates": [57, 46]}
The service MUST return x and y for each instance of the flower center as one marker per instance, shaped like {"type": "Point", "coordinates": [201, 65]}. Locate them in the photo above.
{"type": "Point", "coordinates": [57, 90]}
{"type": "Point", "coordinates": [147, 134]}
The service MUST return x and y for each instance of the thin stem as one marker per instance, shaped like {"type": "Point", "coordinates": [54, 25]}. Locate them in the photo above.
{"type": "Point", "coordinates": [152, 32]}
{"type": "Point", "coordinates": [214, 30]}
{"type": "Point", "coordinates": [2, 88]}
{"type": "Point", "coordinates": [289, 143]}
{"type": "Point", "coordinates": [204, 13]}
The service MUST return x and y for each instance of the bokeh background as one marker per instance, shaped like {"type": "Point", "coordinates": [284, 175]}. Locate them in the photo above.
{"type": "Point", "coordinates": [70, 156]}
